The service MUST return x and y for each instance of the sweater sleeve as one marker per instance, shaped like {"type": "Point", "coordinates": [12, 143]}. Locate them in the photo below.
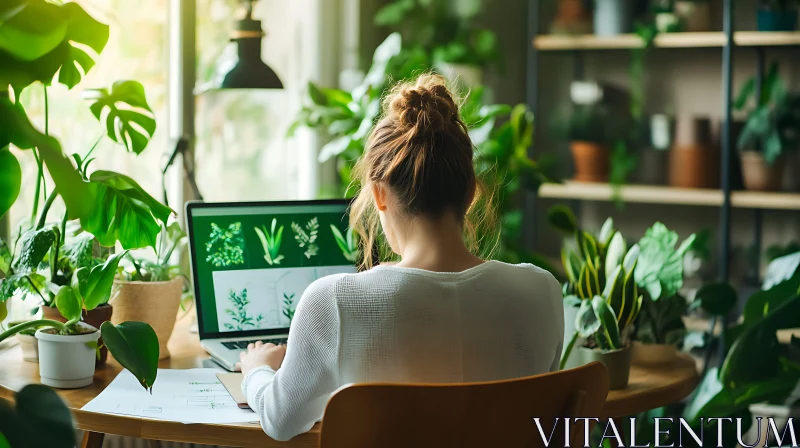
{"type": "Point", "coordinates": [290, 400]}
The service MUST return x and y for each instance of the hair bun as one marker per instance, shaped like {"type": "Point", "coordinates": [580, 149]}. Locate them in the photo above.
{"type": "Point", "coordinates": [425, 106]}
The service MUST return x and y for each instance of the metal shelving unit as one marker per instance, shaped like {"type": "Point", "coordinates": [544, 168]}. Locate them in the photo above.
{"type": "Point", "coordinates": [723, 197]}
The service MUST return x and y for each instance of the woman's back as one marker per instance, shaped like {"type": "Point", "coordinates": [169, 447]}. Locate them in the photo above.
{"type": "Point", "coordinates": [492, 322]}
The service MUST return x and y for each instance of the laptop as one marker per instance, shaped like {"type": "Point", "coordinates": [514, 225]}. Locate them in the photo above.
{"type": "Point", "coordinates": [252, 261]}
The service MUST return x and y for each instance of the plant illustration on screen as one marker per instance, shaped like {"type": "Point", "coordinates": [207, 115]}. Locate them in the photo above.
{"type": "Point", "coordinates": [346, 244]}
{"type": "Point", "coordinates": [288, 309]}
{"type": "Point", "coordinates": [225, 247]}
{"type": "Point", "coordinates": [238, 312]}
{"type": "Point", "coordinates": [271, 241]}
{"type": "Point", "coordinates": [306, 237]}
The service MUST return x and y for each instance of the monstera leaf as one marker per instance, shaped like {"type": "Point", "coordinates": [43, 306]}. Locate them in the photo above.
{"type": "Point", "coordinates": [128, 118]}
{"type": "Point", "coordinates": [124, 212]}
{"type": "Point", "coordinates": [39, 39]}
{"type": "Point", "coordinates": [10, 180]}
{"type": "Point", "coordinates": [135, 346]}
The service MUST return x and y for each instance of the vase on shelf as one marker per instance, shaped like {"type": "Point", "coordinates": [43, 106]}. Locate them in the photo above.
{"type": "Point", "coordinates": [572, 18]}
{"type": "Point", "coordinates": [691, 160]}
{"type": "Point", "coordinates": [654, 159]}
{"type": "Point", "coordinates": [592, 161]}
{"type": "Point", "coordinates": [776, 19]}
{"type": "Point", "coordinates": [612, 17]}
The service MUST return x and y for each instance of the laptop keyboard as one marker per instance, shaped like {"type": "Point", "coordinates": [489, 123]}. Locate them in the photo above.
{"type": "Point", "coordinates": [242, 345]}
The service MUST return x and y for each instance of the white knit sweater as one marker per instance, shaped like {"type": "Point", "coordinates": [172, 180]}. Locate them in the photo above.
{"type": "Point", "coordinates": [392, 324]}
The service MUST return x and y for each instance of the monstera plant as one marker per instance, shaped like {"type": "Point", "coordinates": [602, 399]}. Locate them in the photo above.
{"type": "Point", "coordinates": [111, 208]}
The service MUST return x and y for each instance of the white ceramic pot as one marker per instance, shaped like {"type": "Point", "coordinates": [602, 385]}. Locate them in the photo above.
{"type": "Point", "coordinates": [29, 346]}
{"type": "Point", "coordinates": [461, 74]}
{"type": "Point", "coordinates": [618, 363]}
{"type": "Point", "coordinates": [66, 362]}
{"type": "Point", "coordinates": [651, 354]}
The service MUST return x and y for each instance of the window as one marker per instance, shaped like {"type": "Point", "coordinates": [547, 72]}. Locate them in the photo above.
{"type": "Point", "coordinates": [241, 148]}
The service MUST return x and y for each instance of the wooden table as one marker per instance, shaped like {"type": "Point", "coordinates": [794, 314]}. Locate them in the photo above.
{"type": "Point", "coordinates": [648, 388]}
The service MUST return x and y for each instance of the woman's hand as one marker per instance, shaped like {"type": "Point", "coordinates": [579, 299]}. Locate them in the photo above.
{"type": "Point", "coordinates": [260, 354]}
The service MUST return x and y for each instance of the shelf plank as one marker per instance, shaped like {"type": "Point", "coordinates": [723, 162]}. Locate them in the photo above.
{"type": "Point", "coordinates": [766, 39]}
{"type": "Point", "coordinates": [642, 194]}
{"type": "Point", "coordinates": [766, 200]}
{"type": "Point", "coordinates": [653, 194]}
{"type": "Point", "coordinates": [558, 42]}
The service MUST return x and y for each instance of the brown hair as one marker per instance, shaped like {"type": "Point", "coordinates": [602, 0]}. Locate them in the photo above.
{"type": "Point", "coordinates": [421, 151]}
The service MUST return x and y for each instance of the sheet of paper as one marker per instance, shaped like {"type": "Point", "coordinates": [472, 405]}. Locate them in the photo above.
{"type": "Point", "coordinates": [187, 396]}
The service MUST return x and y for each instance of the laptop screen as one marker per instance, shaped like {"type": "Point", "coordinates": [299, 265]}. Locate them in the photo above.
{"type": "Point", "coordinates": [252, 262]}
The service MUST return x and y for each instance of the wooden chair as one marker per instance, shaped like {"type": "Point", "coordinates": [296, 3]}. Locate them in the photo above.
{"type": "Point", "coordinates": [497, 413]}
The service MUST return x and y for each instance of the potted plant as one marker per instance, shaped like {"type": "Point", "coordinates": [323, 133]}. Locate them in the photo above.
{"type": "Point", "coordinates": [770, 130]}
{"type": "Point", "coordinates": [589, 129]}
{"type": "Point", "coordinates": [598, 269]}
{"type": "Point", "coordinates": [110, 206]}
{"type": "Point", "coordinates": [659, 272]}
{"type": "Point", "coordinates": [603, 320]}
{"type": "Point", "coordinates": [777, 15]}
{"type": "Point", "coordinates": [151, 290]}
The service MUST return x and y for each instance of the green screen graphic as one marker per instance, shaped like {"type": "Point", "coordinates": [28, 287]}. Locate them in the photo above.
{"type": "Point", "coordinates": [253, 263]}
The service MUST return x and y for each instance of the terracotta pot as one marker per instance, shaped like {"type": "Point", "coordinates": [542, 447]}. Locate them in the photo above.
{"type": "Point", "coordinates": [154, 303]}
{"type": "Point", "coordinates": [572, 18]}
{"type": "Point", "coordinates": [649, 354]}
{"type": "Point", "coordinates": [692, 167]}
{"type": "Point", "coordinates": [760, 176]}
{"type": "Point", "coordinates": [95, 318]}
{"type": "Point", "coordinates": [591, 161]}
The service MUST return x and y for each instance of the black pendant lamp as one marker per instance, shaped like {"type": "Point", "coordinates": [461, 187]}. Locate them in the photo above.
{"type": "Point", "coordinates": [249, 72]}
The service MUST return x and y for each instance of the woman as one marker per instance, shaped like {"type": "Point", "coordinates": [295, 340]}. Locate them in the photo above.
{"type": "Point", "coordinates": [441, 314]}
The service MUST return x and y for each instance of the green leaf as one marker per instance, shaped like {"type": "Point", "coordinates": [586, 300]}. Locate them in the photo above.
{"type": "Point", "coordinates": [79, 249]}
{"type": "Point", "coordinates": [393, 13]}
{"type": "Point", "coordinates": [95, 288]}
{"type": "Point", "coordinates": [124, 213]}
{"type": "Point", "coordinates": [608, 322]}
{"type": "Point", "coordinates": [3, 310]}
{"type": "Point", "coordinates": [562, 218]}
{"type": "Point", "coordinates": [744, 94]}
{"type": "Point", "coordinates": [606, 232]}
{"type": "Point", "coordinates": [34, 245]}
{"type": "Point", "coordinates": [586, 321]}
{"type": "Point", "coordinates": [135, 346]}
{"type": "Point", "coordinates": [83, 29]}
{"type": "Point", "coordinates": [5, 257]}
{"type": "Point", "coordinates": [716, 298]}
{"type": "Point", "coordinates": [41, 419]}
{"type": "Point", "coordinates": [660, 266]}
{"type": "Point", "coordinates": [32, 29]}
{"type": "Point", "coordinates": [27, 285]}
{"type": "Point", "coordinates": [10, 180]}
{"type": "Point", "coordinates": [334, 148]}
{"type": "Point", "coordinates": [68, 303]}
{"type": "Point", "coordinates": [615, 253]}
{"type": "Point", "coordinates": [129, 119]}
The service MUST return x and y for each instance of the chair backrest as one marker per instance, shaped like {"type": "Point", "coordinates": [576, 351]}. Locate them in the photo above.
{"type": "Point", "coordinates": [497, 413]}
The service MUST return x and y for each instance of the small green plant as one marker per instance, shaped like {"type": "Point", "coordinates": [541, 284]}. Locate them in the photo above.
{"type": "Point", "coordinates": [271, 241]}
{"type": "Point", "coordinates": [225, 247]}
{"type": "Point", "coordinates": [306, 237]}
{"type": "Point", "coordinates": [288, 308]}
{"type": "Point", "coordinates": [239, 312]}
{"type": "Point", "coordinates": [347, 245]}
